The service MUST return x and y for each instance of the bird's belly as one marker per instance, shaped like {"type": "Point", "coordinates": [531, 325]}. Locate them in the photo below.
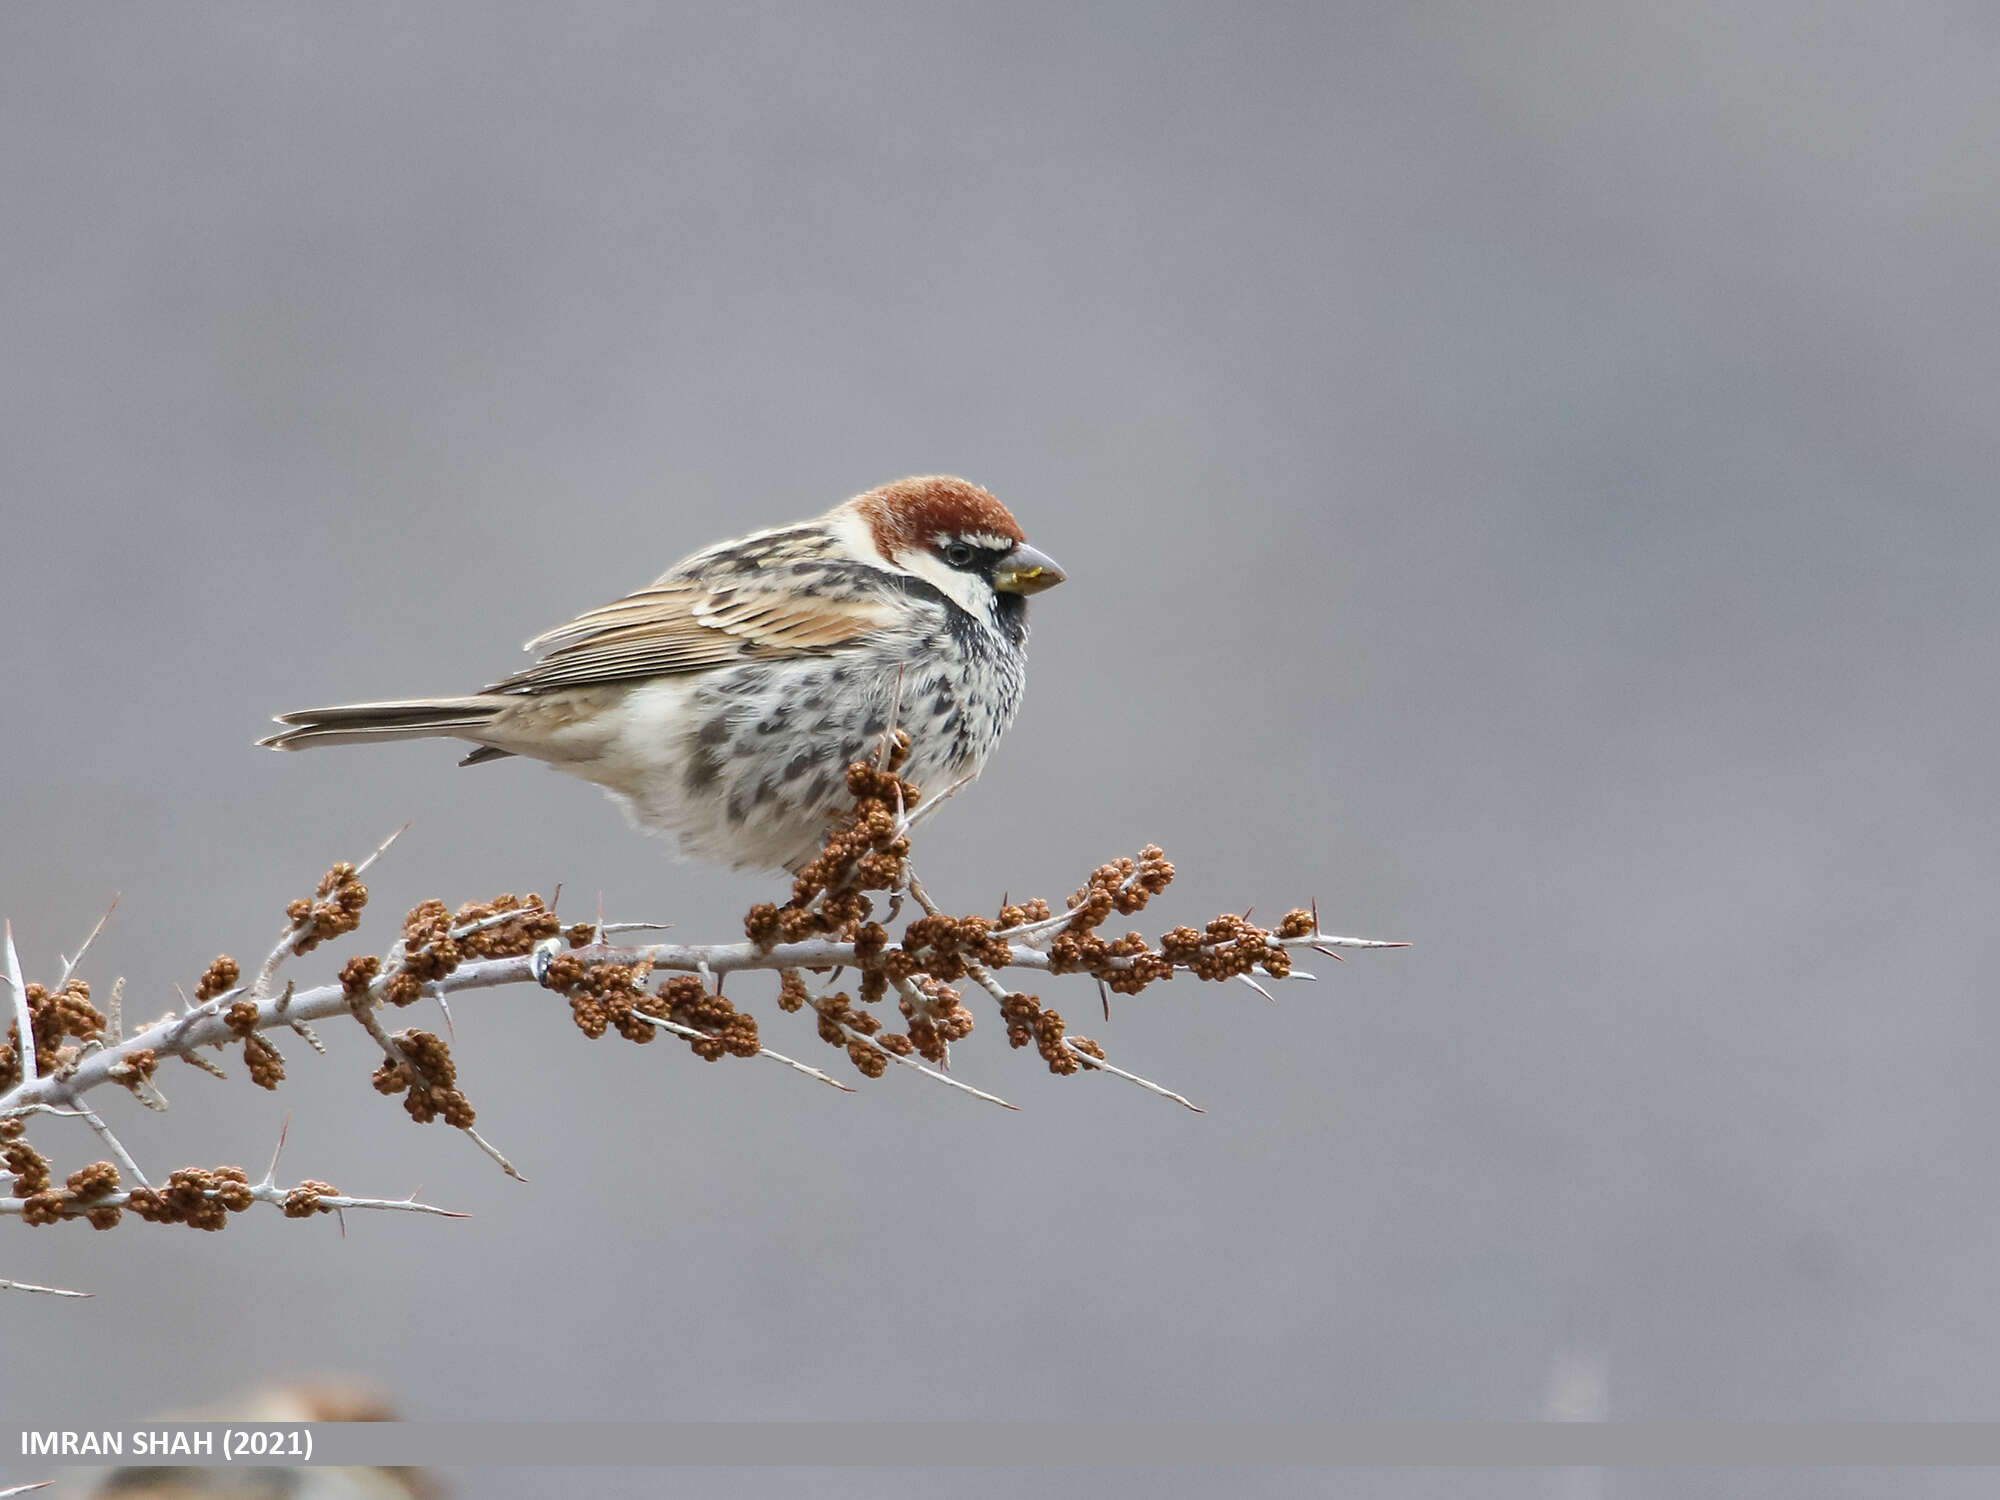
{"type": "Point", "coordinates": [747, 766]}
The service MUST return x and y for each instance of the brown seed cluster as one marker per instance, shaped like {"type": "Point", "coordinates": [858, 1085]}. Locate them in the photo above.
{"type": "Point", "coordinates": [935, 1017]}
{"type": "Point", "coordinates": [1028, 1022]}
{"type": "Point", "coordinates": [839, 1019]}
{"type": "Point", "coordinates": [265, 1064]}
{"type": "Point", "coordinates": [1123, 886]}
{"type": "Point", "coordinates": [942, 947]}
{"type": "Point", "coordinates": [98, 1178]}
{"type": "Point", "coordinates": [431, 951]}
{"type": "Point", "coordinates": [42, 1204]}
{"type": "Point", "coordinates": [29, 1166]}
{"type": "Point", "coordinates": [334, 911]}
{"type": "Point", "coordinates": [52, 1016]}
{"type": "Point", "coordinates": [1020, 914]}
{"type": "Point", "coordinates": [1228, 946]}
{"type": "Point", "coordinates": [603, 996]}
{"type": "Point", "coordinates": [729, 1031]}
{"type": "Point", "coordinates": [357, 974]}
{"type": "Point", "coordinates": [865, 853]}
{"type": "Point", "coordinates": [530, 921]}
{"type": "Point", "coordinates": [1020, 1011]}
{"type": "Point", "coordinates": [302, 1202]}
{"type": "Point", "coordinates": [792, 991]}
{"type": "Point", "coordinates": [427, 1080]}
{"type": "Point", "coordinates": [241, 1018]}
{"type": "Point", "coordinates": [218, 978]}
{"type": "Point", "coordinates": [606, 996]}
{"type": "Point", "coordinates": [198, 1198]}
{"type": "Point", "coordinates": [94, 1181]}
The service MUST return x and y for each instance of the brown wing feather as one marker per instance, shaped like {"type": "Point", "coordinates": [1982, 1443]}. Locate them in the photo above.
{"type": "Point", "coordinates": [688, 627]}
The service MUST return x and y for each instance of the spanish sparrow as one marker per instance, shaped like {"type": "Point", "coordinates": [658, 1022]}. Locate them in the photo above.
{"type": "Point", "coordinates": [723, 702]}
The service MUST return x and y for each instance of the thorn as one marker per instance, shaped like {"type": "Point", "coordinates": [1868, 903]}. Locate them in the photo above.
{"type": "Point", "coordinates": [488, 1147]}
{"type": "Point", "coordinates": [1258, 988]}
{"type": "Point", "coordinates": [1104, 995]}
{"type": "Point", "coordinates": [381, 849]}
{"type": "Point", "coordinates": [271, 1172]}
{"type": "Point", "coordinates": [69, 964]}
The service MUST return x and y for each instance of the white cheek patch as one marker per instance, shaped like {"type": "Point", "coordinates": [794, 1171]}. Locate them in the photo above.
{"type": "Point", "coordinates": [969, 591]}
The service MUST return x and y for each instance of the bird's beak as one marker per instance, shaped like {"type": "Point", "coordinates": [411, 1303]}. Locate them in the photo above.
{"type": "Point", "coordinates": [1026, 571]}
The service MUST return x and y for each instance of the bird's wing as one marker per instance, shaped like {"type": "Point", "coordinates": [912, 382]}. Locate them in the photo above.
{"type": "Point", "coordinates": [684, 625]}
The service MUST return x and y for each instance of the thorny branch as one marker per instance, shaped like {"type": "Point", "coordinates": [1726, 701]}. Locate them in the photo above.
{"type": "Point", "coordinates": [825, 930]}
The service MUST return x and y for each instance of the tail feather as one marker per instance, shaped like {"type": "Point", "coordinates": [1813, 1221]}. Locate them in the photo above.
{"type": "Point", "coordinates": [371, 723]}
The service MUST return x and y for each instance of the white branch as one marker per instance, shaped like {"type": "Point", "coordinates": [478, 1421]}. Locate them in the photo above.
{"type": "Point", "coordinates": [178, 1036]}
{"type": "Point", "coordinates": [262, 1192]}
{"type": "Point", "coordinates": [50, 1291]}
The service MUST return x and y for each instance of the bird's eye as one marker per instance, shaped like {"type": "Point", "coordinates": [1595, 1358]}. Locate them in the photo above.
{"type": "Point", "coordinates": [958, 554]}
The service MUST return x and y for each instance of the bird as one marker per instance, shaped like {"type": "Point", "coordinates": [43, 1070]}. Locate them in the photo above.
{"type": "Point", "coordinates": [722, 703]}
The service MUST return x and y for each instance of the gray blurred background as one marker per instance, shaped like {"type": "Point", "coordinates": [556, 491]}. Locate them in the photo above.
{"type": "Point", "coordinates": [1525, 474]}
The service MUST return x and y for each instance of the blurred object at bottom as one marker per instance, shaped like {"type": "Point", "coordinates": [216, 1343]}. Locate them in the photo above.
{"type": "Point", "coordinates": [312, 1401]}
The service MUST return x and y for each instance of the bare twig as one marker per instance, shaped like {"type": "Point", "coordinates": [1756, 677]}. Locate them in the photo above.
{"type": "Point", "coordinates": [50, 1291]}
{"type": "Point", "coordinates": [910, 1062]}
{"type": "Point", "coordinates": [364, 1012]}
{"type": "Point", "coordinates": [1091, 1060]}
{"type": "Point", "coordinates": [791, 1062]}
{"type": "Point", "coordinates": [113, 1144]}
{"type": "Point", "coordinates": [261, 985]}
{"type": "Point", "coordinates": [70, 963]}
{"type": "Point", "coordinates": [264, 1192]}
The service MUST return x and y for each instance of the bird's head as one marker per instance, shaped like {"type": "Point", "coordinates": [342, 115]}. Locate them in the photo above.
{"type": "Point", "coordinates": [957, 538]}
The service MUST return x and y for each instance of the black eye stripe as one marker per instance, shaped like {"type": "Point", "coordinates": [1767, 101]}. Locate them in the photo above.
{"type": "Point", "coordinates": [967, 556]}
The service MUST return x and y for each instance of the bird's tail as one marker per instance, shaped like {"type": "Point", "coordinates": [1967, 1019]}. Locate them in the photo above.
{"type": "Point", "coordinates": [367, 723]}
